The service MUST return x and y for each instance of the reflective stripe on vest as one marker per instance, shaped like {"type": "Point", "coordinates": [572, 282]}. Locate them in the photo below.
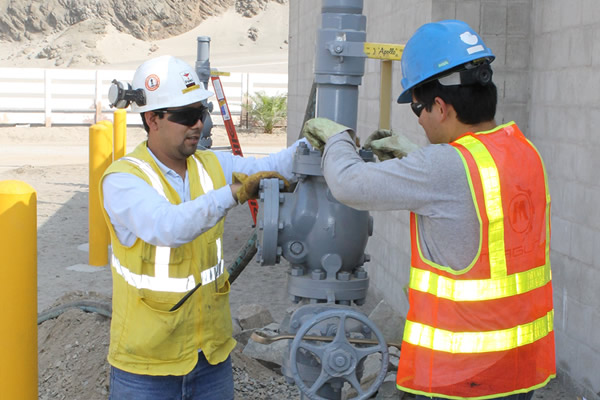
{"type": "Point", "coordinates": [161, 282]}
{"type": "Point", "coordinates": [479, 289]}
{"type": "Point", "coordinates": [490, 179]}
{"type": "Point", "coordinates": [478, 342]}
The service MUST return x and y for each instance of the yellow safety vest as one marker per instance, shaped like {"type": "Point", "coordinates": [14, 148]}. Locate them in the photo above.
{"type": "Point", "coordinates": [147, 338]}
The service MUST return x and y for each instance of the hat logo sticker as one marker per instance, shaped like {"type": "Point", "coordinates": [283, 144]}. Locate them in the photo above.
{"type": "Point", "coordinates": [152, 82]}
{"type": "Point", "coordinates": [188, 79]}
{"type": "Point", "coordinates": [469, 38]}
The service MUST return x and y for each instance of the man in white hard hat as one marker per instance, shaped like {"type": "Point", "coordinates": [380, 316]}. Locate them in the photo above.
{"type": "Point", "coordinates": [480, 319]}
{"type": "Point", "coordinates": [165, 204]}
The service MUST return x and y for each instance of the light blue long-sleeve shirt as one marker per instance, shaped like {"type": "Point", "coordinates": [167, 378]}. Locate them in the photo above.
{"type": "Point", "coordinates": [137, 210]}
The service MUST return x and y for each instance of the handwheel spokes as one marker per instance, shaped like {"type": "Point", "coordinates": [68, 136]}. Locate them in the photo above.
{"type": "Point", "coordinates": [316, 349]}
{"type": "Point", "coordinates": [353, 380]}
{"type": "Point", "coordinates": [340, 335]}
{"type": "Point", "coordinates": [362, 352]}
{"type": "Point", "coordinates": [321, 380]}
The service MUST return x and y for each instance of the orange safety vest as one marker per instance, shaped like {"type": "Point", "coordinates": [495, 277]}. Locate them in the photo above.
{"type": "Point", "coordinates": [487, 330]}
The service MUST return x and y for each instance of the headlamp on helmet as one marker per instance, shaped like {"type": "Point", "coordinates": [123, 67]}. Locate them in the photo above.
{"type": "Point", "coordinates": [121, 94]}
{"type": "Point", "coordinates": [469, 74]}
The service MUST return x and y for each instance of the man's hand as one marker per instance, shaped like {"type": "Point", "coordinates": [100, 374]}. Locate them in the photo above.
{"type": "Point", "coordinates": [318, 130]}
{"type": "Point", "coordinates": [245, 187]}
{"type": "Point", "coordinates": [387, 144]}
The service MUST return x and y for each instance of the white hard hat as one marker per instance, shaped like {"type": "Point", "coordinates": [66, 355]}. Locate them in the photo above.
{"type": "Point", "coordinates": [167, 82]}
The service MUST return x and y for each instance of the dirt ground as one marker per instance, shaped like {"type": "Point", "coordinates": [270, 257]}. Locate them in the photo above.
{"type": "Point", "coordinates": [73, 347]}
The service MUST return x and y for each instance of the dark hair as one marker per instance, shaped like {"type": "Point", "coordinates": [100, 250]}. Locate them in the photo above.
{"type": "Point", "coordinates": [146, 127]}
{"type": "Point", "coordinates": [474, 103]}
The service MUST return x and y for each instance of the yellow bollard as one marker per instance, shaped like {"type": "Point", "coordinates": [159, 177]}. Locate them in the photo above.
{"type": "Point", "coordinates": [100, 158]}
{"type": "Point", "coordinates": [18, 291]}
{"type": "Point", "coordinates": [120, 137]}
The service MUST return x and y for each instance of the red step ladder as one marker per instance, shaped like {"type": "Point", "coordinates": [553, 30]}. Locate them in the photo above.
{"type": "Point", "coordinates": [231, 132]}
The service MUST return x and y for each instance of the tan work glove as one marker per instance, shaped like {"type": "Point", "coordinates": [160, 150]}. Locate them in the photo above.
{"type": "Point", "coordinates": [318, 130]}
{"type": "Point", "coordinates": [250, 184]}
{"type": "Point", "coordinates": [387, 144]}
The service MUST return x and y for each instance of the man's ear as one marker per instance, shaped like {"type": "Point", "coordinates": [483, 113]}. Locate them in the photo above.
{"type": "Point", "coordinates": [443, 109]}
{"type": "Point", "coordinates": [152, 120]}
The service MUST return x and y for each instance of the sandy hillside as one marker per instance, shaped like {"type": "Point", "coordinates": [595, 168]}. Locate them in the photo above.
{"type": "Point", "coordinates": [238, 44]}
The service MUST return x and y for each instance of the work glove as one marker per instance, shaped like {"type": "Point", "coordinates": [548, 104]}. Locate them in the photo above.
{"type": "Point", "coordinates": [318, 130]}
{"type": "Point", "coordinates": [387, 144]}
{"type": "Point", "coordinates": [250, 184]}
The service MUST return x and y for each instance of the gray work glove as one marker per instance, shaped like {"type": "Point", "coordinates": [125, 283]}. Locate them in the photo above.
{"type": "Point", "coordinates": [387, 144]}
{"type": "Point", "coordinates": [318, 130]}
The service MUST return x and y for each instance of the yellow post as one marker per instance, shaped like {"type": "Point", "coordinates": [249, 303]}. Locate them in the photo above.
{"type": "Point", "coordinates": [385, 94]}
{"type": "Point", "coordinates": [18, 291]}
{"type": "Point", "coordinates": [120, 138]}
{"type": "Point", "coordinates": [100, 158]}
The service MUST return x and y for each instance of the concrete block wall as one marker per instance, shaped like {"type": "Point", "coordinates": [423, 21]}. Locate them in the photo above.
{"type": "Point", "coordinates": [546, 69]}
{"type": "Point", "coordinates": [564, 119]}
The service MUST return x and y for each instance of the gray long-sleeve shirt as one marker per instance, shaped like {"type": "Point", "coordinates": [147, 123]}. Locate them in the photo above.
{"type": "Point", "coordinates": [430, 182]}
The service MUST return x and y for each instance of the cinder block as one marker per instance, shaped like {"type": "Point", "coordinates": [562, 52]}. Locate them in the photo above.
{"type": "Point", "coordinates": [470, 12]}
{"type": "Point", "coordinates": [493, 20]}
{"type": "Point", "coordinates": [519, 18]}
{"type": "Point", "coordinates": [443, 9]}
{"type": "Point", "coordinates": [586, 168]}
{"type": "Point", "coordinates": [561, 235]}
{"type": "Point", "coordinates": [590, 12]}
{"type": "Point", "coordinates": [570, 287]}
{"type": "Point", "coordinates": [540, 55]}
{"type": "Point", "coordinates": [589, 365]}
{"type": "Point", "coordinates": [557, 301]}
{"type": "Point", "coordinates": [592, 116]}
{"type": "Point", "coordinates": [595, 339]}
{"type": "Point", "coordinates": [596, 262]}
{"type": "Point", "coordinates": [571, 15]}
{"type": "Point", "coordinates": [551, 15]}
{"type": "Point", "coordinates": [516, 89]}
{"type": "Point", "coordinates": [580, 43]}
{"type": "Point", "coordinates": [590, 295]}
{"type": "Point", "coordinates": [566, 351]}
{"type": "Point", "coordinates": [578, 326]}
{"type": "Point", "coordinates": [498, 46]}
{"type": "Point", "coordinates": [591, 196]}
{"type": "Point", "coordinates": [518, 53]}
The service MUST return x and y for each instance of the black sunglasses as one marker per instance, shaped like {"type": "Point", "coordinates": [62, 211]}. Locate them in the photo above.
{"type": "Point", "coordinates": [417, 108]}
{"type": "Point", "coordinates": [185, 116]}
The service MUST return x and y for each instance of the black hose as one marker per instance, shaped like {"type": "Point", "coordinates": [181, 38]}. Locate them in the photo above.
{"type": "Point", "coordinates": [102, 308]}
{"type": "Point", "coordinates": [244, 256]}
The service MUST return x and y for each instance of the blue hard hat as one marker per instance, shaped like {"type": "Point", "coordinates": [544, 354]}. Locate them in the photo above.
{"type": "Point", "coordinates": [437, 47]}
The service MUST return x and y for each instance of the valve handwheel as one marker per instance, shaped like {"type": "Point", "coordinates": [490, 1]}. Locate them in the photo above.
{"type": "Point", "coordinates": [339, 358]}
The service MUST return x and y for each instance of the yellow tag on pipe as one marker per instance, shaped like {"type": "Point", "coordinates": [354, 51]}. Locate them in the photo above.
{"type": "Point", "coordinates": [384, 51]}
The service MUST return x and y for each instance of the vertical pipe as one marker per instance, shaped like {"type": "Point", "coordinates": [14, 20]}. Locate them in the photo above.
{"type": "Point", "coordinates": [337, 76]}
{"type": "Point", "coordinates": [203, 59]}
{"type": "Point", "coordinates": [120, 134]}
{"type": "Point", "coordinates": [100, 158]}
{"type": "Point", "coordinates": [385, 94]}
{"type": "Point", "coordinates": [18, 291]}
{"type": "Point", "coordinates": [203, 71]}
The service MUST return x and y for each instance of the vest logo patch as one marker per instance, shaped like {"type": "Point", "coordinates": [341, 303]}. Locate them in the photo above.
{"type": "Point", "coordinates": [521, 212]}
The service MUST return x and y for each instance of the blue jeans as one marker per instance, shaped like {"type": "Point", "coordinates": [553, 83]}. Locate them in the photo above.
{"type": "Point", "coordinates": [204, 382]}
{"type": "Point", "coordinates": [520, 396]}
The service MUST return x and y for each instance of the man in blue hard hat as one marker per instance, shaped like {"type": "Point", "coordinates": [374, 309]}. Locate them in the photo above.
{"type": "Point", "coordinates": [480, 319]}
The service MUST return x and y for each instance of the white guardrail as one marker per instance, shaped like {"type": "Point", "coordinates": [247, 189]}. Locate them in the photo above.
{"type": "Point", "coordinates": [37, 96]}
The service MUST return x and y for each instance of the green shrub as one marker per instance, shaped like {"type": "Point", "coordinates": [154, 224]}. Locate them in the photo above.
{"type": "Point", "coordinates": [268, 111]}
